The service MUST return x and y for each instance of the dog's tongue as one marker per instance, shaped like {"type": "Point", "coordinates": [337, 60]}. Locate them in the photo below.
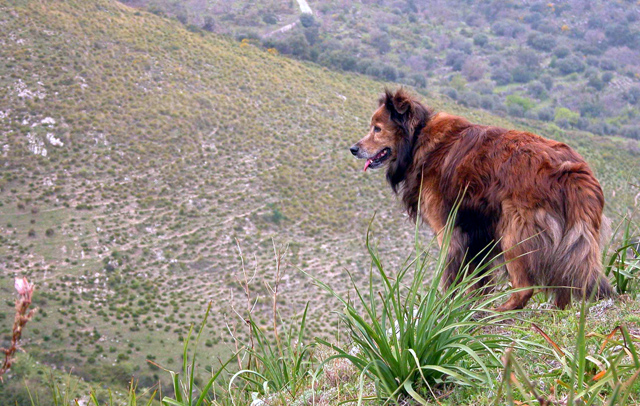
{"type": "Point", "coordinates": [366, 164]}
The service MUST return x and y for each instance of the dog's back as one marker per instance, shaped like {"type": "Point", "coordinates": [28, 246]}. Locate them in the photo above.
{"type": "Point", "coordinates": [538, 197]}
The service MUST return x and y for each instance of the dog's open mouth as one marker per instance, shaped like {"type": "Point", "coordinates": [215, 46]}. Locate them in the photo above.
{"type": "Point", "coordinates": [378, 159]}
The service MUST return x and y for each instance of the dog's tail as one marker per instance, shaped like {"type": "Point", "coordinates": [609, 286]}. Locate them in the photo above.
{"type": "Point", "coordinates": [577, 253]}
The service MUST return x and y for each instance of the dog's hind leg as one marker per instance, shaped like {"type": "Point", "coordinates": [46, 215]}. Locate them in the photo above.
{"type": "Point", "coordinates": [515, 229]}
{"type": "Point", "coordinates": [517, 267]}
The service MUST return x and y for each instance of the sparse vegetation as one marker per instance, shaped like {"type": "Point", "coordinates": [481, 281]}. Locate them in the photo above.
{"type": "Point", "coordinates": [423, 44]}
{"type": "Point", "coordinates": [409, 344]}
{"type": "Point", "coordinates": [137, 154]}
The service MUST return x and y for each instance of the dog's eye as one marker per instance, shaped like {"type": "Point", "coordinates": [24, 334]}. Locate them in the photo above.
{"type": "Point", "coordinates": [376, 129]}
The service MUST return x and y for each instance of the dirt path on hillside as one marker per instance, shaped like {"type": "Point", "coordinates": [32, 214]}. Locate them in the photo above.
{"type": "Point", "coordinates": [304, 9]}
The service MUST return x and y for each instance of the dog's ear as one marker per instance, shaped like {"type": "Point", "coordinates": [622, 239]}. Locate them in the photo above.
{"type": "Point", "coordinates": [398, 103]}
{"type": "Point", "coordinates": [405, 111]}
{"type": "Point", "coordinates": [401, 101]}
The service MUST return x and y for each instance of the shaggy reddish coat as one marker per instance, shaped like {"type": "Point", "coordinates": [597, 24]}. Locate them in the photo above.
{"type": "Point", "coordinates": [537, 198]}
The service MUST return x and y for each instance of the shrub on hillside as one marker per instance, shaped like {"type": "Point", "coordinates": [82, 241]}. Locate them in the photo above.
{"type": "Point", "coordinates": [270, 19]}
{"type": "Point", "coordinates": [487, 102]}
{"type": "Point", "coordinates": [338, 59]}
{"type": "Point", "coordinates": [561, 52]}
{"type": "Point", "coordinates": [633, 95]}
{"type": "Point", "coordinates": [312, 34]}
{"type": "Point", "coordinates": [298, 46]}
{"type": "Point", "coordinates": [247, 35]}
{"type": "Point", "coordinates": [602, 128]}
{"type": "Point", "coordinates": [501, 76]}
{"type": "Point", "coordinates": [455, 59]}
{"type": "Point", "coordinates": [591, 72]}
{"type": "Point", "coordinates": [621, 34]}
{"type": "Point", "coordinates": [593, 61]}
{"type": "Point", "coordinates": [565, 117]}
{"type": "Point", "coordinates": [451, 92]}
{"type": "Point", "coordinates": [418, 80]}
{"type": "Point", "coordinates": [484, 87]}
{"type": "Point", "coordinates": [533, 17]}
{"type": "Point", "coordinates": [461, 45]}
{"type": "Point", "coordinates": [546, 114]}
{"type": "Point", "coordinates": [608, 64]}
{"type": "Point", "coordinates": [507, 29]}
{"type": "Point", "coordinates": [528, 58]}
{"type": "Point", "coordinates": [569, 65]}
{"type": "Point", "coordinates": [515, 110]}
{"type": "Point", "coordinates": [458, 82]}
{"type": "Point", "coordinates": [630, 131]}
{"type": "Point", "coordinates": [480, 40]}
{"type": "Point", "coordinates": [531, 114]}
{"type": "Point", "coordinates": [389, 73]}
{"type": "Point", "coordinates": [381, 41]}
{"type": "Point", "coordinates": [541, 42]}
{"type": "Point", "coordinates": [470, 99]}
{"type": "Point", "coordinates": [522, 74]}
{"type": "Point", "coordinates": [537, 90]}
{"type": "Point", "coordinates": [371, 69]}
{"type": "Point", "coordinates": [307, 20]}
{"type": "Point", "coordinates": [209, 24]}
{"type": "Point", "coordinates": [547, 81]}
{"type": "Point", "coordinates": [547, 27]}
{"type": "Point", "coordinates": [473, 69]}
{"type": "Point", "coordinates": [596, 83]}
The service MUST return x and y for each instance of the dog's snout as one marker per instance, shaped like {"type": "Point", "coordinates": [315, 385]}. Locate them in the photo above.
{"type": "Point", "coordinates": [354, 149]}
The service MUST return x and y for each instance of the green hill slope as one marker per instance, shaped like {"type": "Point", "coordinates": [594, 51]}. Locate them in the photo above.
{"type": "Point", "coordinates": [578, 55]}
{"type": "Point", "coordinates": [136, 156]}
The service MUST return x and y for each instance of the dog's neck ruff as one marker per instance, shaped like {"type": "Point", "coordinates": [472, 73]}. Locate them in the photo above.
{"type": "Point", "coordinates": [397, 172]}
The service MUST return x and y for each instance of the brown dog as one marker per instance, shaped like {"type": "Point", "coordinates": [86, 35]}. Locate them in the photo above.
{"type": "Point", "coordinates": [536, 198]}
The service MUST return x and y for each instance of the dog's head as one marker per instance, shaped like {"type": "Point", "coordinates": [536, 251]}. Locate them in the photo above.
{"type": "Point", "coordinates": [394, 128]}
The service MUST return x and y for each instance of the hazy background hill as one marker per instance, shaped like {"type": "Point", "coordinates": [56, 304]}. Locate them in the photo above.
{"type": "Point", "coordinates": [137, 154]}
{"type": "Point", "coordinates": [575, 62]}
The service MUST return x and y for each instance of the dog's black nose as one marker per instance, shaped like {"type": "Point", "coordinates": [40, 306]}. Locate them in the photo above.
{"type": "Point", "coordinates": [354, 150]}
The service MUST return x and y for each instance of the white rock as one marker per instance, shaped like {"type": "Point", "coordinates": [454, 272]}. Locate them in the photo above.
{"type": "Point", "coordinates": [36, 145]}
{"type": "Point", "coordinates": [56, 142]}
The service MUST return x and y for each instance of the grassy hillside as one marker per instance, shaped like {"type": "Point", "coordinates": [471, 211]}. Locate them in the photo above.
{"type": "Point", "coordinates": [575, 62]}
{"type": "Point", "coordinates": [138, 156]}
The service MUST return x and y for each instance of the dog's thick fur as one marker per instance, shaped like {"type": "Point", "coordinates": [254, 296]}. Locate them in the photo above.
{"type": "Point", "coordinates": [536, 198]}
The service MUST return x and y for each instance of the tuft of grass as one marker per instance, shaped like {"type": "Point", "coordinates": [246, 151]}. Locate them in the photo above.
{"type": "Point", "coordinates": [622, 264]}
{"type": "Point", "coordinates": [186, 391]}
{"type": "Point", "coordinates": [606, 377]}
{"type": "Point", "coordinates": [132, 398]}
{"type": "Point", "coordinates": [409, 337]}
{"type": "Point", "coordinates": [280, 368]}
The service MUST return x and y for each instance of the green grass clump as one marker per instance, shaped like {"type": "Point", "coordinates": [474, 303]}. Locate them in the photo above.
{"type": "Point", "coordinates": [409, 337]}
{"type": "Point", "coordinates": [608, 376]}
{"type": "Point", "coordinates": [280, 367]}
{"type": "Point", "coordinates": [622, 265]}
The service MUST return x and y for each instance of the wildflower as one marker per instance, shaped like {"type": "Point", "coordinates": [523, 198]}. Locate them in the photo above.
{"type": "Point", "coordinates": [23, 315]}
{"type": "Point", "coordinates": [23, 287]}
